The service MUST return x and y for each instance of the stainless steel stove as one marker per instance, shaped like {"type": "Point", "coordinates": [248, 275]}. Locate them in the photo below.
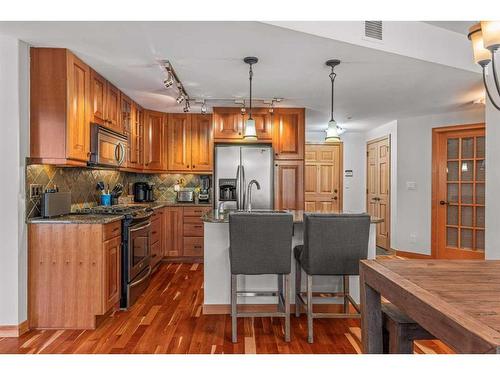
{"type": "Point", "coordinates": [136, 248]}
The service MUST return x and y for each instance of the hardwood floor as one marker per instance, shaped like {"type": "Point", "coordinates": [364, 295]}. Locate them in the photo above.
{"type": "Point", "coordinates": [168, 319]}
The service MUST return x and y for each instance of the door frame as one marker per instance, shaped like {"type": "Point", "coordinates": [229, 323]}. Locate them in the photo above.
{"type": "Point", "coordinates": [436, 132]}
{"type": "Point", "coordinates": [341, 168]}
{"type": "Point", "coordinates": [388, 220]}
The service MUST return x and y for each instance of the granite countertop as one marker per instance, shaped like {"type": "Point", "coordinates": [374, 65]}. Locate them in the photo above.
{"type": "Point", "coordinates": [81, 218]}
{"type": "Point", "coordinates": [213, 216]}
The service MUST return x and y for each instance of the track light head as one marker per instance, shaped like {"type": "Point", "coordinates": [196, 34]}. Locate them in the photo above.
{"type": "Point", "coordinates": [169, 81]}
{"type": "Point", "coordinates": [203, 108]}
{"type": "Point", "coordinates": [180, 98]}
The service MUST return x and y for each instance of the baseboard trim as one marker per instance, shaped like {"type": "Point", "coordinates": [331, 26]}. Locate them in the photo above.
{"type": "Point", "coordinates": [410, 255]}
{"type": "Point", "coordinates": [226, 309]}
{"type": "Point", "coordinates": [14, 330]}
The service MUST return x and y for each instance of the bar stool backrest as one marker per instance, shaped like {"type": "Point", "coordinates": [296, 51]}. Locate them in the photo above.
{"type": "Point", "coordinates": [260, 243]}
{"type": "Point", "coordinates": [335, 243]}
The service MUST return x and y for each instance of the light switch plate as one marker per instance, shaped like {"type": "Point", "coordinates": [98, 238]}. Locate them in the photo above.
{"type": "Point", "coordinates": [36, 190]}
{"type": "Point", "coordinates": [411, 185]}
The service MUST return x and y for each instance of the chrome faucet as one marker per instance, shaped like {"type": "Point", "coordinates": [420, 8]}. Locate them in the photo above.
{"type": "Point", "coordinates": [220, 208]}
{"type": "Point", "coordinates": [249, 193]}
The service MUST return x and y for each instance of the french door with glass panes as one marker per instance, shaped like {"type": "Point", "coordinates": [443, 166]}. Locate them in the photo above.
{"type": "Point", "coordinates": [458, 203]}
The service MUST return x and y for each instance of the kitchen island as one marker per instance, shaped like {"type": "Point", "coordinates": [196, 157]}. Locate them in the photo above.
{"type": "Point", "coordinates": [217, 275]}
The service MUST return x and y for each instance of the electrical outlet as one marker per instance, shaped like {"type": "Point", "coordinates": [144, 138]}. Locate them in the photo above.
{"type": "Point", "coordinates": [36, 190]}
{"type": "Point", "coordinates": [413, 238]}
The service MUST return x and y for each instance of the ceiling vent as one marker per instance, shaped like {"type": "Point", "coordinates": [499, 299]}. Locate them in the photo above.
{"type": "Point", "coordinates": [373, 29]}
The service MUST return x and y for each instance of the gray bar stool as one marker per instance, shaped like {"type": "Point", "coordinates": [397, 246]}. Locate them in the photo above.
{"type": "Point", "coordinates": [333, 245]}
{"type": "Point", "coordinates": [261, 244]}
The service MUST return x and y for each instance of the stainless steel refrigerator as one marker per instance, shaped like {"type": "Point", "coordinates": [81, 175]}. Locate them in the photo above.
{"type": "Point", "coordinates": [235, 167]}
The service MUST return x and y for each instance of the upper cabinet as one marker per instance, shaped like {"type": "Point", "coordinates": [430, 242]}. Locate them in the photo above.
{"type": "Point", "coordinates": [153, 140]}
{"type": "Point", "coordinates": [59, 108]}
{"type": "Point", "coordinates": [202, 143]}
{"type": "Point", "coordinates": [189, 142]}
{"type": "Point", "coordinates": [229, 124]}
{"type": "Point", "coordinates": [135, 138]}
{"type": "Point", "coordinates": [105, 103]}
{"type": "Point", "coordinates": [289, 133]}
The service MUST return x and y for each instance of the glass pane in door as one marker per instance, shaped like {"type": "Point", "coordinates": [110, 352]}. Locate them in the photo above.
{"type": "Point", "coordinates": [467, 148]}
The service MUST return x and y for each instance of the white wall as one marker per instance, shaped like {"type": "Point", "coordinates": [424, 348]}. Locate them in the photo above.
{"type": "Point", "coordinates": [414, 164]}
{"type": "Point", "coordinates": [492, 236]}
{"type": "Point", "coordinates": [354, 159]}
{"type": "Point", "coordinates": [13, 151]}
{"type": "Point", "coordinates": [389, 129]}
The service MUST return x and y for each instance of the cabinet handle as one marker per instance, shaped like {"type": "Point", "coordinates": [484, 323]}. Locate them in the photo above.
{"type": "Point", "coordinates": [194, 166]}
{"type": "Point", "coordinates": [334, 198]}
{"type": "Point", "coordinates": [197, 247]}
{"type": "Point", "coordinates": [197, 226]}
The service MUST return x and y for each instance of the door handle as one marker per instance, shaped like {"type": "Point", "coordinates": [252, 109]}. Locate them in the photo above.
{"type": "Point", "coordinates": [444, 203]}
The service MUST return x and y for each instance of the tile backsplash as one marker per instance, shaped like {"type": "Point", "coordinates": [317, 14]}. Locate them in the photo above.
{"type": "Point", "coordinates": [82, 182]}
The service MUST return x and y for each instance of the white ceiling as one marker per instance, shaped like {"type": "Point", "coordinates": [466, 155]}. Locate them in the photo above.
{"type": "Point", "coordinates": [461, 27]}
{"type": "Point", "coordinates": [372, 86]}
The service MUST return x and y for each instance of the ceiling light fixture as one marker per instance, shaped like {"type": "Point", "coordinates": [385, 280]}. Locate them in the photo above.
{"type": "Point", "coordinates": [332, 134]}
{"type": "Point", "coordinates": [187, 106]}
{"type": "Point", "coordinates": [485, 39]}
{"type": "Point", "coordinates": [180, 98]}
{"type": "Point", "coordinates": [172, 80]}
{"type": "Point", "coordinates": [250, 132]}
{"type": "Point", "coordinates": [203, 108]}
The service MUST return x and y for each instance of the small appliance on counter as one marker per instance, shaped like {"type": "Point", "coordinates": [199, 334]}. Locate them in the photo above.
{"type": "Point", "coordinates": [185, 196]}
{"type": "Point", "coordinates": [55, 203]}
{"type": "Point", "coordinates": [204, 195]}
{"type": "Point", "coordinates": [143, 192]}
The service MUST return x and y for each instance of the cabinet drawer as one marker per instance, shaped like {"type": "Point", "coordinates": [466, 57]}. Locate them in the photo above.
{"type": "Point", "coordinates": [155, 254]}
{"type": "Point", "coordinates": [155, 231]}
{"type": "Point", "coordinates": [195, 211]}
{"type": "Point", "coordinates": [112, 230]}
{"type": "Point", "coordinates": [193, 230]}
{"type": "Point", "coordinates": [192, 220]}
{"type": "Point", "coordinates": [193, 246]}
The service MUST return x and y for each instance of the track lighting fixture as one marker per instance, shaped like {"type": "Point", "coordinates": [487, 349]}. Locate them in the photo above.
{"type": "Point", "coordinates": [187, 106]}
{"type": "Point", "coordinates": [172, 80]}
{"type": "Point", "coordinates": [203, 108]}
{"type": "Point", "coordinates": [180, 98]}
{"type": "Point", "coordinates": [169, 81]}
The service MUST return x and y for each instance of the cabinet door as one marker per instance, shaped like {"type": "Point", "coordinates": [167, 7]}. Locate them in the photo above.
{"type": "Point", "coordinates": [135, 138]}
{"type": "Point", "coordinates": [227, 123]}
{"type": "Point", "coordinates": [179, 142]}
{"type": "Point", "coordinates": [173, 230]}
{"type": "Point", "coordinates": [78, 127]}
{"type": "Point", "coordinates": [126, 121]}
{"type": "Point", "coordinates": [112, 277]}
{"type": "Point", "coordinates": [97, 98]}
{"type": "Point", "coordinates": [113, 108]}
{"type": "Point", "coordinates": [202, 144]}
{"type": "Point", "coordinates": [289, 133]}
{"type": "Point", "coordinates": [289, 185]}
{"type": "Point", "coordinates": [153, 140]}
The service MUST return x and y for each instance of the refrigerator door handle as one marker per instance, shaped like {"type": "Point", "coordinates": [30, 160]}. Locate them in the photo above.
{"type": "Point", "coordinates": [243, 185]}
{"type": "Point", "coordinates": [238, 187]}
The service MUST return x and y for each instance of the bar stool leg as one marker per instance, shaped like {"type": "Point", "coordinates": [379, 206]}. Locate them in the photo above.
{"type": "Point", "coordinates": [281, 294]}
{"type": "Point", "coordinates": [346, 293]}
{"type": "Point", "coordinates": [309, 310]}
{"type": "Point", "coordinates": [298, 281]}
{"type": "Point", "coordinates": [287, 307]}
{"type": "Point", "coordinates": [234, 321]}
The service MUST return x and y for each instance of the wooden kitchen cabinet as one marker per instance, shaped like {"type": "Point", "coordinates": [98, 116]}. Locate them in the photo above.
{"type": "Point", "coordinates": [135, 138]}
{"type": "Point", "coordinates": [228, 124]}
{"type": "Point", "coordinates": [59, 107]}
{"type": "Point", "coordinates": [202, 143]}
{"type": "Point", "coordinates": [189, 142]}
{"type": "Point", "coordinates": [173, 229]}
{"type": "Point", "coordinates": [105, 102]}
{"type": "Point", "coordinates": [289, 185]}
{"type": "Point", "coordinates": [179, 142]}
{"type": "Point", "coordinates": [74, 274]}
{"type": "Point", "coordinates": [153, 140]}
{"type": "Point", "coordinates": [289, 133]}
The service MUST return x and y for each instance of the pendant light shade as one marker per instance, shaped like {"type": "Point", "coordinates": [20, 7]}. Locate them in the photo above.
{"type": "Point", "coordinates": [250, 133]}
{"type": "Point", "coordinates": [482, 56]}
{"type": "Point", "coordinates": [332, 134]}
{"type": "Point", "coordinates": [491, 34]}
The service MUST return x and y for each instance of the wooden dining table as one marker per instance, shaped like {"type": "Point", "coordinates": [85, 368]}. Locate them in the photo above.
{"type": "Point", "coordinates": [457, 301]}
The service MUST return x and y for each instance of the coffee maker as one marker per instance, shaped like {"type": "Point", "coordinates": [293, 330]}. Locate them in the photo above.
{"type": "Point", "coordinates": [143, 192]}
{"type": "Point", "coordinates": [204, 195]}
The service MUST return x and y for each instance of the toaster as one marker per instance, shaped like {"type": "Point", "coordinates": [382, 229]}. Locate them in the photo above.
{"type": "Point", "coordinates": [185, 196]}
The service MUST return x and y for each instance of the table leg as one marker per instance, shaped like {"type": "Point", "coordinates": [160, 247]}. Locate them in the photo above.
{"type": "Point", "coordinates": [371, 318]}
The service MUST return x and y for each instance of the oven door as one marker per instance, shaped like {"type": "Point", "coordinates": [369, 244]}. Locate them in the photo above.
{"type": "Point", "coordinates": [139, 242]}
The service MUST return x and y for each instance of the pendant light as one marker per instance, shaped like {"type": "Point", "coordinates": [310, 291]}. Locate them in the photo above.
{"type": "Point", "coordinates": [332, 134]}
{"type": "Point", "coordinates": [250, 133]}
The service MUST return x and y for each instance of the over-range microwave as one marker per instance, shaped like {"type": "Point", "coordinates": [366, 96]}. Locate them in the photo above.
{"type": "Point", "coordinates": [108, 148]}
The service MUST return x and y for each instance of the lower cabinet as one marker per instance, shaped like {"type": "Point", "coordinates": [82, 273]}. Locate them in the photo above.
{"type": "Point", "coordinates": [157, 237]}
{"type": "Point", "coordinates": [74, 274]}
{"type": "Point", "coordinates": [289, 185]}
{"type": "Point", "coordinates": [172, 232]}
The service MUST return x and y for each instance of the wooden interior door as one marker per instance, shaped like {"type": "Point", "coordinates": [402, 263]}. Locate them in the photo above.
{"type": "Point", "coordinates": [201, 143]}
{"type": "Point", "coordinates": [323, 178]}
{"type": "Point", "coordinates": [458, 192]}
{"type": "Point", "coordinates": [378, 182]}
{"type": "Point", "coordinates": [179, 142]}
{"type": "Point", "coordinates": [78, 131]}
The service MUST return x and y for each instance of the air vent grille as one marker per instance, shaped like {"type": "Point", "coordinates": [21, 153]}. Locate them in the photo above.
{"type": "Point", "coordinates": [373, 29]}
